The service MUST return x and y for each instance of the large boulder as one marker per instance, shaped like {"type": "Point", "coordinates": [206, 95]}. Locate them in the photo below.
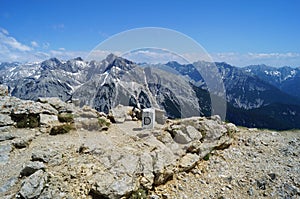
{"type": "Point", "coordinates": [212, 129]}
{"type": "Point", "coordinates": [33, 186]}
{"type": "Point", "coordinates": [120, 114]}
{"type": "Point", "coordinates": [201, 135]}
{"type": "Point", "coordinates": [60, 106]}
{"type": "Point", "coordinates": [25, 113]}
{"type": "Point", "coordinates": [90, 124]}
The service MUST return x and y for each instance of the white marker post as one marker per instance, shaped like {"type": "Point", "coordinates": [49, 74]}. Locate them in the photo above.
{"type": "Point", "coordinates": [148, 118]}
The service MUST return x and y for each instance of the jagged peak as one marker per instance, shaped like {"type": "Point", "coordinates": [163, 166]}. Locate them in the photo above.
{"type": "Point", "coordinates": [78, 59]}
{"type": "Point", "coordinates": [111, 57]}
{"type": "Point", "coordinates": [51, 63]}
{"type": "Point", "coordinates": [120, 62]}
{"type": "Point", "coordinates": [173, 63]}
{"type": "Point", "coordinates": [52, 60]}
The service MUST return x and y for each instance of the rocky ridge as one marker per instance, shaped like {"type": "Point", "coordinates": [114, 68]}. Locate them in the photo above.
{"type": "Point", "coordinates": [87, 156]}
{"type": "Point", "coordinates": [42, 158]}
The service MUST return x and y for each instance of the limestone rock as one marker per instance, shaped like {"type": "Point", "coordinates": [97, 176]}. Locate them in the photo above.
{"type": "Point", "coordinates": [60, 106]}
{"type": "Point", "coordinates": [22, 142]}
{"type": "Point", "coordinates": [25, 113]}
{"type": "Point", "coordinates": [8, 184]}
{"type": "Point", "coordinates": [4, 137]}
{"type": "Point", "coordinates": [43, 155]}
{"type": "Point", "coordinates": [6, 129]}
{"type": "Point", "coordinates": [121, 113]}
{"type": "Point", "coordinates": [5, 150]}
{"type": "Point", "coordinates": [213, 130]}
{"type": "Point", "coordinates": [146, 163]}
{"type": "Point", "coordinates": [31, 107]}
{"type": "Point", "coordinates": [193, 133]}
{"type": "Point", "coordinates": [188, 161]}
{"type": "Point", "coordinates": [118, 180]}
{"type": "Point", "coordinates": [180, 137]}
{"type": "Point", "coordinates": [90, 124]}
{"type": "Point", "coordinates": [33, 186]}
{"type": "Point", "coordinates": [32, 167]}
{"type": "Point", "coordinates": [232, 128]}
{"type": "Point", "coordinates": [5, 120]}
{"type": "Point", "coordinates": [46, 119]}
{"type": "Point", "coordinates": [88, 112]}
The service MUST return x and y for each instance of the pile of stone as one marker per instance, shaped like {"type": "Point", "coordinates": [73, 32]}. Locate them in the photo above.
{"type": "Point", "coordinates": [46, 113]}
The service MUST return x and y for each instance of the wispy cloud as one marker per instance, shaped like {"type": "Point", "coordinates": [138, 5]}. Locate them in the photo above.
{"type": "Point", "coordinates": [153, 56]}
{"type": "Point", "coordinates": [233, 58]}
{"type": "Point", "coordinates": [61, 53]}
{"type": "Point", "coordinates": [4, 31]}
{"type": "Point", "coordinates": [272, 59]}
{"type": "Point", "coordinates": [13, 50]}
{"type": "Point", "coordinates": [9, 42]}
{"type": "Point", "coordinates": [34, 44]}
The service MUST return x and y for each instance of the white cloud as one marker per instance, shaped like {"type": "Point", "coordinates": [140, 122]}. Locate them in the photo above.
{"type": "Point", "coordinates": [34, 44]}
{"type": "Point", "coordinates": [272, 59]}
{"type": "Point", "coordinates": [4, 31]}
{"type": "Point", "coordinates": [154, 56]}
{"type": "Point", "coordinates": [11, 43]}
{"type": "Point", "coordinates": [99, 55]}
{"type": "Point", "coordinates": [237, 59]}
{"type": "Point", "coordinates": [13, 50]}
{"type": "Point", "coordinates": [65, 55]}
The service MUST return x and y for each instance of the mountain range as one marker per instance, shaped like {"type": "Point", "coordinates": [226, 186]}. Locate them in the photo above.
{"type": "Point", "coordinates": [256, 96]}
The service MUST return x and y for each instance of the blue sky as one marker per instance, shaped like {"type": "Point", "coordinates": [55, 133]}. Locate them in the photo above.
{"type": "Point", "coordinates": [238, 32]}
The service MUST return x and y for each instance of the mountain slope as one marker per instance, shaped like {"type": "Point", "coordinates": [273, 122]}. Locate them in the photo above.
{"type": "Point", "coordinates": [178, 89]}
{"type": "Point", "coordinates": [287, 79]}
{"type": "Point", "coordinates": [153, 87]}
{"type": "Point", "coordinates": [243, 90]}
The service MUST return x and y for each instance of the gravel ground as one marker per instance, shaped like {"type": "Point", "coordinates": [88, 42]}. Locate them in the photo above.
{"type": "Point", "coordinates": [259, 164]}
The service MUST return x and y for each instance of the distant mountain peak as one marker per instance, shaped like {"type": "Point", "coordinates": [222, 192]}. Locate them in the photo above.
{"type": "Point", "coordinates": [119, 62]}
{"type": "Point", "coordinates": [172, 63]}
{"type": "Point", "coordinates": [111, 57]}
{"type": "Point", "coordinates": [78, 59]}
{"type": "Point", "coordinates": [51, 63]}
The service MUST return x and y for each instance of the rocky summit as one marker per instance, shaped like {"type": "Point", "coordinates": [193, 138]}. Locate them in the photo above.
{"type": "Point", "coordinates": [54, 149]}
